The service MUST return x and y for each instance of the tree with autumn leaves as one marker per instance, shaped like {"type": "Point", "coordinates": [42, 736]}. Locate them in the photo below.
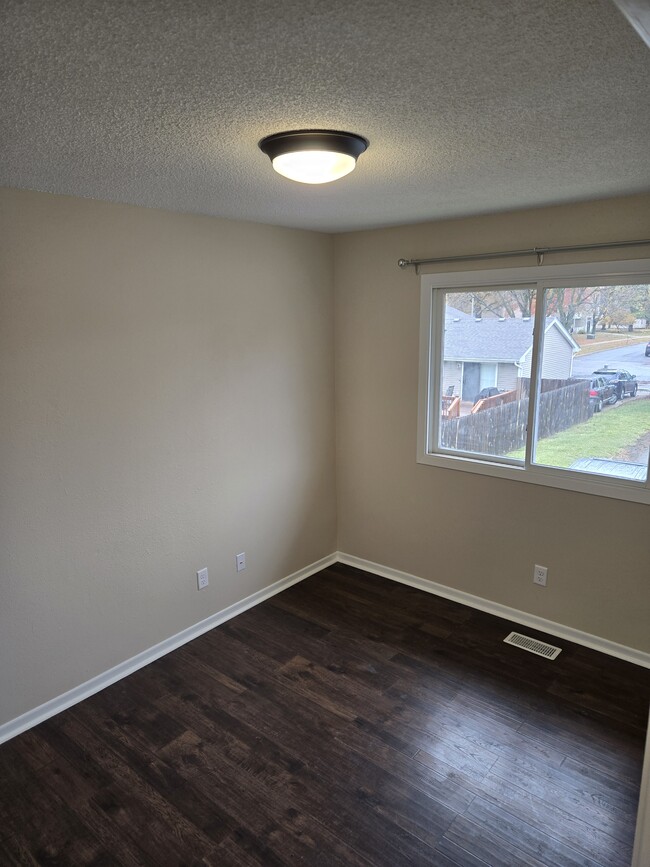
{"type": "Point", "coordinates": [601, 307]}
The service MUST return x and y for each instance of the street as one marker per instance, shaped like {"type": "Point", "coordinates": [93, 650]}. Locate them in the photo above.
{"type": "Point", "coordinates": [631, 358]}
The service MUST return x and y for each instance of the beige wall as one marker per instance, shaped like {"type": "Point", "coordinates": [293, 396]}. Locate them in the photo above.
{"type": "Point", "coordinates": [167, 387]}
{"type": "Point", "coordinates": [474, 533]}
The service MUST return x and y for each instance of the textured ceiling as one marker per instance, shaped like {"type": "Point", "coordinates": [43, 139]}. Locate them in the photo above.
{"type": "Point", "coordinates": [470, 106]}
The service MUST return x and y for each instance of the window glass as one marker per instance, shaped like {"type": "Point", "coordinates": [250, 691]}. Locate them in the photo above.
{"type": "Point", "coordinates": [487, 341]}
{"type": "Point", "coordinates": [597, 420]}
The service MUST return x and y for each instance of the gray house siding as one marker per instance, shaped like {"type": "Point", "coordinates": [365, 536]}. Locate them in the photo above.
{"type": "Point", "coordinates": [508, 376]}
{"type": "Point", "coordinates": [452, 374]}
{"type": "Point", "coordinates": [557, 361]}
{"type": "Point", "coordinates": [558, 356]}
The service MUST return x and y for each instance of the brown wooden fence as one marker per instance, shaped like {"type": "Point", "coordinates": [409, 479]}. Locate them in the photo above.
{"type": "Point", "coordinates": [561, 408]}
{"type": "Point", "coordinates": [523, 384]}
{"type": "Point", "coordinates": [502, 429]}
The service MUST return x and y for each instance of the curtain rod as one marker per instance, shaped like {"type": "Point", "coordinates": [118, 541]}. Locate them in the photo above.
{"type": "Point", "coordinates": [533, 251]}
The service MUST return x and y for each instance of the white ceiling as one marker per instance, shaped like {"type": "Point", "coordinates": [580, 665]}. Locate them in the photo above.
{"type": "Point", "coordinates": [470, 106]}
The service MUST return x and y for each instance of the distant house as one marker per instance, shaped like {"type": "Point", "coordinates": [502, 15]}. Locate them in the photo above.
{"type": "Point", "coordinates": [480, 353]}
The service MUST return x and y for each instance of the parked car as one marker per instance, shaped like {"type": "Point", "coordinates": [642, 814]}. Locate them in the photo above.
{"type": "Point", "coordinates": [647, 349]}
{"type": "Point", "coordinates": [601, 392]}
{"type": "Point", "coordinates": [624, 382]}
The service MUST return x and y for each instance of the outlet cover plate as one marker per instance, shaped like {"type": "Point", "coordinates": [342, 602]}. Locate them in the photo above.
{"type": "Point", "coordinates": [540, 574]}
{"type": "Point", "coordinates": [202, 578]}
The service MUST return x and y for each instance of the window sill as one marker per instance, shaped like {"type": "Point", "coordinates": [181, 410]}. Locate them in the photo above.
{"type": "Point", "coordinates": [583, 483]}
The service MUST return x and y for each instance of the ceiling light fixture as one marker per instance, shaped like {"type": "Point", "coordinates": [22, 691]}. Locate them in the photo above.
{"type": "Point", "coordinates": [313, 156]}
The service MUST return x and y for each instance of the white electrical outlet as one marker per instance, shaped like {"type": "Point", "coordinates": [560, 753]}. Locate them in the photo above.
{"type": "Point", "coordinates": [540, 574]}
{"type": "Point", "coordinates": [202, 578]}
{"type": "Point", "coordinates": [240, 560]}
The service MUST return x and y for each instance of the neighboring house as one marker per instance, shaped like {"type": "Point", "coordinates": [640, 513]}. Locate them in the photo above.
{"type": "Point", "coordinates": [480, 353]}
{"type": "Point", "coordinates": [582, 322]}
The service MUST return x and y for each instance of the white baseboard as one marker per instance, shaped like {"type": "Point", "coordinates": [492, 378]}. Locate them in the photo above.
{"type": "Point", "coordinates": [90, 687]}
{"type": "Point", "coordinates": [629, 654]}
{"type": "Point", "coordinates": [33, 717]}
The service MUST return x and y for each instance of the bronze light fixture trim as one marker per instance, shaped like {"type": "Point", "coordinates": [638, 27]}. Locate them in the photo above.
{"type": "Point", "coordinates": [313, 156]}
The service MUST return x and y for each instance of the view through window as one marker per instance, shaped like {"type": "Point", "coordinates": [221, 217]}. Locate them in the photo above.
{"type": "Point", "coordinates": [588, 373]}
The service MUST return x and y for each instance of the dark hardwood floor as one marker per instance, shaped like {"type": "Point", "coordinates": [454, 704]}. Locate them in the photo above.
{"type": "Point", "coordinates": [348, 720]}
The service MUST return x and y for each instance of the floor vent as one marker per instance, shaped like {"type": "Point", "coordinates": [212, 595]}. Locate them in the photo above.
{"type": "Point", "coordinates": [533, 645]}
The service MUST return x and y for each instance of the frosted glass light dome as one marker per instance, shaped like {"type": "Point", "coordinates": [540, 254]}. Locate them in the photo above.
{"type": "Point", "coordinates": [314, 167]}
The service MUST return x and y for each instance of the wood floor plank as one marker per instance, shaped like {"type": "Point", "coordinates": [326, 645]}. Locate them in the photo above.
{"type": "Point", "coordinates": [446, 786]}
{"type": "Point", "coordinates": [75, 784]}
{"type": "Point", "coordinates": [619, 755]}
{"type": "Point", "coordinates": [17, 853]}
{"type": "Point", "coordinates": [379, 800]}
{"type": "Point", "coordinates": [14, 778]}
{"type": "Point", "coordinates": [616, 820]}
{"type": "Point", "coordinates": [265, 633]}
{"type": "Point", "coordinates": [463, 756]}
{"type": "Point", "coordinates": [334, 693]}
{"type": "Point", "coordinates": [550, 821]}
{"type": "Point", "coordinates": [572, 778]}
{"type": "Point", "coordinates": [146, 799]}
{"type": "Point", "coordinates": [498, 821]}
{"type": "Point", "coordinates": [423, 719]}
{"type": "Point", "coordinates": [263, 803]}
{"type": "Point", "coordinates": [624, 791]}
{"type": "Point", "coordinates": [351, 721]}
{"type": "Point", "coordinates": [67, 784]}
{"type": "Point", "coordinates": [231, 750]}
{"type": "Point", "coordinates": [472, 845]}
{"type": "Point", "coordinates": [335, 611]}
{"type": "Point", "coordinates": [494, 735]}
{"type": "Point", "coordinates": [50, 832]}
{"type": "Point", "coordinates": [585, 692]}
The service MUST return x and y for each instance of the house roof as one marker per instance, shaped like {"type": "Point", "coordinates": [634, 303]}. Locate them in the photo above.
{"type": "Point", "coordinates": [491, 339]}
{"type": "Point", "coordinates": [470, 107]}
{"type": "Point", "coordinates": [454, 313]}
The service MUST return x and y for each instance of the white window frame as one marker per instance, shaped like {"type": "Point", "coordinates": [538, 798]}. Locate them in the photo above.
{"type": "Point", "coordinates": [431, 329]}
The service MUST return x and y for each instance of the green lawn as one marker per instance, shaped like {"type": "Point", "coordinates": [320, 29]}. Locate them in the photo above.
{"type": "Point", "coordinates": [605, 435]}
